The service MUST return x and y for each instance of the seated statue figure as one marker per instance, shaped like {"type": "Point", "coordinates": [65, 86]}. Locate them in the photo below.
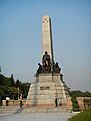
{"type": "Point", "coordinates": [46, 62]}
{"type": "Point", "coordinates": [40, 69]}
{"type": "Point", "coordinates": [56, 68]}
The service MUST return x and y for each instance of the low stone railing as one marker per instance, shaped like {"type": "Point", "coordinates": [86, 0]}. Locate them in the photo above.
{"type": "Point", "coordinates": [12, 102]}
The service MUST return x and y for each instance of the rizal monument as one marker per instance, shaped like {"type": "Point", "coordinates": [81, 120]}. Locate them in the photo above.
{"type": "Point", "coordinates": [48, 88]}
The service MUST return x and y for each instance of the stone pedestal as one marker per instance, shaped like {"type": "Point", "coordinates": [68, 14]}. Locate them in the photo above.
{"type": "Point", "coordinates": [46, 88]}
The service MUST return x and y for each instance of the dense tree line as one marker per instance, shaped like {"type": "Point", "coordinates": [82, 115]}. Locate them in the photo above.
{"type": "Point", "coordinates": [11, 88]}
{"type": "Point", "coordinates": [78, 93]}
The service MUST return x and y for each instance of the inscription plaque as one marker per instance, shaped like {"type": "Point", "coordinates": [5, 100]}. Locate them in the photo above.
{"type": "Point", "coordinates": [45, 88]}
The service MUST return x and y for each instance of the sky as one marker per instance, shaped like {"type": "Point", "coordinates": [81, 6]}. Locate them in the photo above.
{"type": "Point", "coordinates": [20, 39]}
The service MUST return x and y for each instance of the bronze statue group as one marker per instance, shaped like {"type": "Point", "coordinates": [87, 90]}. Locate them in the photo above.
{"type": "Point", "coordinates": [48, 66]}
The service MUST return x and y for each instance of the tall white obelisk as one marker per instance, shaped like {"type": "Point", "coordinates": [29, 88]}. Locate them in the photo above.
{"type": "Point", "coordinates": [47, 44]}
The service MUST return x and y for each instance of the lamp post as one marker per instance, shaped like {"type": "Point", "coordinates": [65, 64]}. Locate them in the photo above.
{"type": "Point", "coordinates": [13, 99]}
{"type": "Point", "coordinates": [18, 92]}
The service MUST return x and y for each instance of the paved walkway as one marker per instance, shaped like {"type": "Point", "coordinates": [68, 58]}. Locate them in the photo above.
{"type": "Point", "coordinates": [37, 117]}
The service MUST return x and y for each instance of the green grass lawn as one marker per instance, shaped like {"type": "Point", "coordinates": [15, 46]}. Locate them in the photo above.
{"type": "Point", "coordinates": [83, 116]}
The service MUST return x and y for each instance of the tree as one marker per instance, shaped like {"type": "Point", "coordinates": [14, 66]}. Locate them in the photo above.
{"type": "Point", "coordinates": [12, 80]}
{"type": "Point", "coordinates": [75, 104]}
{"type": "Point", "coordinates": [17, 84]}
{"type": "Point", "coordinates": [25, 89]}
{"type": "Point", "coordinates": [0, 70]}
{"type": "Point", "coordinates": [1, 79]}
{"type": "Point", "coordinates": [8, 87]}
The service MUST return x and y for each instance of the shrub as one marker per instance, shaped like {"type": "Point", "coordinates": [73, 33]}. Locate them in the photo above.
{"type": "Point", "coordinates": [75, 104]}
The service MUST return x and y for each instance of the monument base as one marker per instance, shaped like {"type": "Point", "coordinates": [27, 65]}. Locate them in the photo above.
{"type": "Point", "coordinates": [49, 90]}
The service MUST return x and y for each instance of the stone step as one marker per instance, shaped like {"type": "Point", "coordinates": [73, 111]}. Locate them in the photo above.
{"type": "Point", "coordinates": [9, 109]}
{"type": "Point", "coordinates": [43, 110]}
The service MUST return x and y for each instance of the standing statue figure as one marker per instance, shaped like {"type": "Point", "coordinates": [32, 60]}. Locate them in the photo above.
{"type": "Point", "coordinates": [46, 62]}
